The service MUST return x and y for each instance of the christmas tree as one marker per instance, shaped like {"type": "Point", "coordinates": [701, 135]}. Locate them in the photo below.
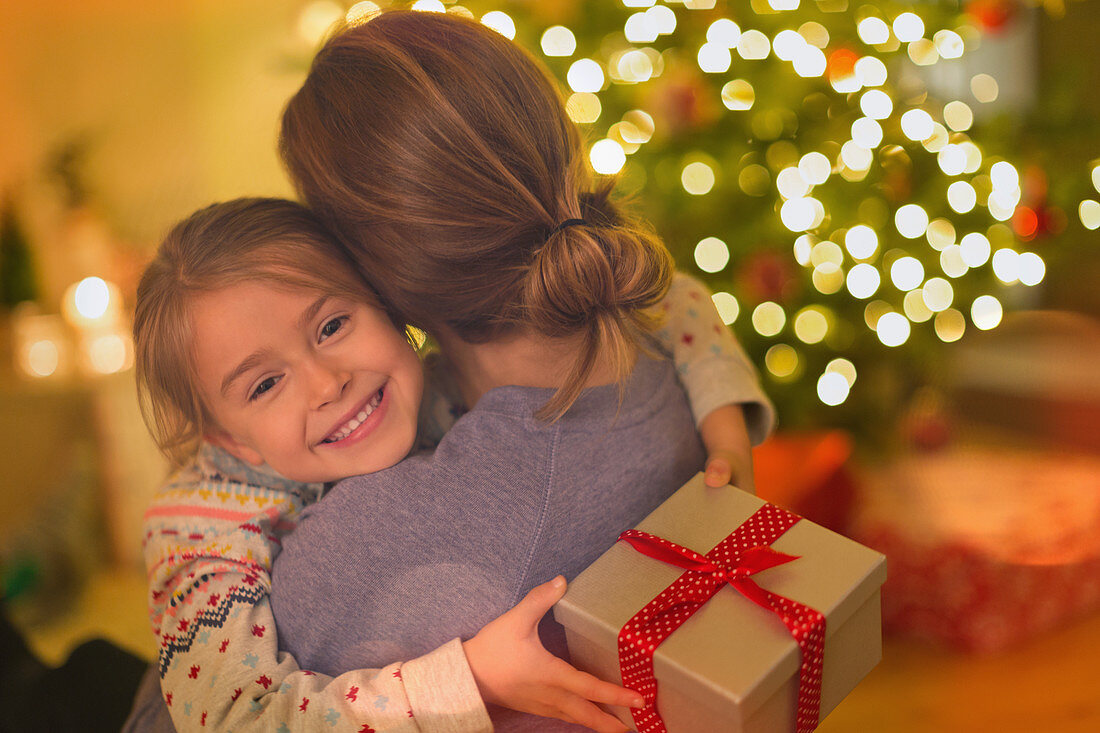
{"type": "Point", "coordinates": [791, 155]}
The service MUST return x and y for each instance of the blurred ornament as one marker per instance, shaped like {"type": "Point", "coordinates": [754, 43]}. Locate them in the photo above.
{"type": "Point", "coordinates": [992, 16]}
{"type": "Point", "coordinates": [842, 65]}
{"type": "Point", "coordinates": [1036, 218]}
{"type": "Point", "coordinates": [681, 101]}
{"type": "Point", "coordinates": [767, 276]}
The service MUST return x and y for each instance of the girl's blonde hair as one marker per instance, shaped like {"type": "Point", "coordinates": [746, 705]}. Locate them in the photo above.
{"type": "Point", "coordinates": [440, 154]}
{"type": "Point", "coordinates": [266, 239]}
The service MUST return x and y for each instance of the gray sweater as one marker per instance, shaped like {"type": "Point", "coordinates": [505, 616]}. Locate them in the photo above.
{"type": "Point", "coordinates": [391, 565]}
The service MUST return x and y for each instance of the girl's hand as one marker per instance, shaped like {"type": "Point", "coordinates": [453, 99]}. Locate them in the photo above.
{"type": "Point", "coordinates": [729, 453]}
{"type": "Point", "coordinates": [513, 669]}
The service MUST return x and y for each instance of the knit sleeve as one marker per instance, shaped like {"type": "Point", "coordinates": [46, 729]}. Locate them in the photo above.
{"type": "Point", "coordinates": [711, 365]}
{"type": "Point", "coordinates": [209, 544]}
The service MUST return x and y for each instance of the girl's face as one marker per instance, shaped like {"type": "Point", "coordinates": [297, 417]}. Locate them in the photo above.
{"type": "Point", "coordinates": [319, 387]}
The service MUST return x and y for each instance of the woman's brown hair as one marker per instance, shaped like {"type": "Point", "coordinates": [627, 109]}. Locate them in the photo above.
{"type": "Point", "coordinates": [440, 153]}
{"type": "Point", "coordinates": [265, 239]}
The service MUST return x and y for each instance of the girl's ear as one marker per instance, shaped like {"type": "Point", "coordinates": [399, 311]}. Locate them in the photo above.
{"type": "Point", "coordinates": [233, 447]}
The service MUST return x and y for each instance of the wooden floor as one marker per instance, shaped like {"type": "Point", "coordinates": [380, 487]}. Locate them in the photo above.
{"type": "Point", "coordinates": [1048, 685]}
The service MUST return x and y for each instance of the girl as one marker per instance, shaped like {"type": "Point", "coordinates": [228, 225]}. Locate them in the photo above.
{"type": "Point", "coordinates": [243, 318]}
{"type": "Point", "coordinates": [441, 155]}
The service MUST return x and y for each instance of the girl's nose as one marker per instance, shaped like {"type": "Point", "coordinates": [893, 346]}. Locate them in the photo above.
{"type": "Point", "coordinates": [327, 384]}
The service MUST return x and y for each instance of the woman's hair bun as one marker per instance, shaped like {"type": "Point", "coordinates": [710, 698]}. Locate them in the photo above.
{"type": "Point", "coordinates": [585, 270]}
{"type": "Point", "coordinates": [600, 279]}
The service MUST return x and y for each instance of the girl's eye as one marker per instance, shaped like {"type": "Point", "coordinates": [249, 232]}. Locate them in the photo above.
{"type": "Point", "coordinates": [332, 326]}
{"type": "Point", "coordinates": [263, 387]}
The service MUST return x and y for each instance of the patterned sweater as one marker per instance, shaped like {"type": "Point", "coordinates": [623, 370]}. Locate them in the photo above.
{"type": "Point", "coordinates": [213, 530]}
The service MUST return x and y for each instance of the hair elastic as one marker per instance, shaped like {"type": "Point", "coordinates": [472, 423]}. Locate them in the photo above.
{"type": "Point", "coordinates": [565, 225]}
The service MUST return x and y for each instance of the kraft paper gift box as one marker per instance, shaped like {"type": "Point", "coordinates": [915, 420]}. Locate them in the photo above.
{"type": "Point", "coordinates": [732, 667]}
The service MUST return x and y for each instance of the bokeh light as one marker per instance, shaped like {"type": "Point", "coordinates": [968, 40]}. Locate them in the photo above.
{"type": "Point", "coordinates": [753, 46]}
{"type": "Point", "coordinates": [958, 116]}
{"type": "Point", "coordinates": [738, 95]}
{"type": "Point", "coordinates": [724, 32]}
{"type": "Point", "coordinates": [500, 22]}
{"type": "Point", "coordinates": [984, 88]}
{"type": "Point", "coordinates": [1089, 213]}
{"type": "Point", "coordinates": [714, 58]}
{"type": "Point", "coordinates": [893, 329]}
{"type": "Point", "coordinates": [938, 294]}
{"type": "Point", "coordinates": [863, 280]}
{"type": "Point", "coordinates": [911, 221]}
{"type": "Point", "coordinates": [1030, 268]}
{"type": "Point", "coordinates": [870, 71]}
{"type": "Point", "coordinates": [950, 325]}
{"type": "Point", "coordinates": [908, 27]}
{"type": "Point", "coordinates": [873, 31]}
{"type": "Point", "coordinates": [607, 156]}
{"type": "Point", "coordinates": [844, 368]}
{"type": "Point", "coordinates": [768, 318]}
{"type": "Point", "coordinates": [811, 325]}
{"type": "Point", "coordinates": [861, 242]}
{"type": "Point", "coordinates": [782, 362]}
{"type": "Point", "coordinates": [697, 178]}
{"type": "Point", "coordinates": [916, 310]}
{"type": "Point", "coordinates": [832, 388]}
{"type": "Point", "coordinates": [975, 249]}
{"type": "Point", "coordinates": [986, 312]}
{"type": "Point", "coordinates": [712, 254]}
{"type": "Point", "coordinates": [876, 104]}
{"type": "Point", "coordinates": [558, 41]}
{"type": "Point", "coordinates": [727, 306]}
{"type": "Point", "coordinates": [92, 298]}
{"type": "Point", "coordinates": [585, 75]}
{"type": "Point", "coordinates": [42, 358]}
{"type": "Point", "coordinates": [962, 197]}
{"type": "Point", "coordinates": [108, 353]}
{"type": "Point", "coordinates": [583, 107]}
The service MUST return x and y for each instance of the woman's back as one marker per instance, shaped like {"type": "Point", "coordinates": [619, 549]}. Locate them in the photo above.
{"type": "Point", "coordinates": [391, 565]}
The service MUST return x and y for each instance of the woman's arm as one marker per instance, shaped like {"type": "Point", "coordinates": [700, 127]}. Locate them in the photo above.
{"type": "Point", "coordinates": [209, 544]}
{"type": "Point", "coordinates": [731, 410]}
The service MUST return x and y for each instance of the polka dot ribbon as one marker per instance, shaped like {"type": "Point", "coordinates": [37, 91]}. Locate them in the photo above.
{"type": "Point", "coordinates": [732, 561]}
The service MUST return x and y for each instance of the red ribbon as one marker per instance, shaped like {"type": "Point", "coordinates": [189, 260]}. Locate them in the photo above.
{"type": "Point", "coordinates": [740, 555]}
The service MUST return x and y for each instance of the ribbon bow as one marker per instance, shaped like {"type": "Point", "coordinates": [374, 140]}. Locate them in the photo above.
{"type": "Point", "coordinates": [742, 554]}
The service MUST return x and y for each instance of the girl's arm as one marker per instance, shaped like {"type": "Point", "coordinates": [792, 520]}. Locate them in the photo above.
{"type": "Point", "coordinates": [209, 544]}
{"type": "Point", "coordinates": [731, 410]}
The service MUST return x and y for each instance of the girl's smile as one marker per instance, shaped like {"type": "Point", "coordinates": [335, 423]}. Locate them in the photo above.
{"type": "Point", "coordinates": [318, 387]}
{"type": "Point", "coordinates": [360, 422]}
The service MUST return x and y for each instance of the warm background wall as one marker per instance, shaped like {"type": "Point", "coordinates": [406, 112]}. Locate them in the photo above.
{"type": "Point", "coordinates": [177, 104]}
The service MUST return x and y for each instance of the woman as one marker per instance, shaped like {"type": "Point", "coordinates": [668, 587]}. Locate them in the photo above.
{"type": "Point", "coordinates": [442, 157]}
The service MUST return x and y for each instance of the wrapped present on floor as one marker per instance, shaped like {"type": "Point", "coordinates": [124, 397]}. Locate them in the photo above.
{"type": "Point", "coordinates": [798, 627]}
{"type": "Point", "coordinates": [987, 545]}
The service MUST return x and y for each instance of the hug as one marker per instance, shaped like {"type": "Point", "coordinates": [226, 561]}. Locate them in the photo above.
{"type": "Point", "coordinates": [367, 529]}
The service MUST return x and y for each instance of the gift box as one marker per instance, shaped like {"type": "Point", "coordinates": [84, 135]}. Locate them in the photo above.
{"type": "Point", "coordinates": [988, 545]}
{"type": "Point", "coordinates": [732, 665]}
